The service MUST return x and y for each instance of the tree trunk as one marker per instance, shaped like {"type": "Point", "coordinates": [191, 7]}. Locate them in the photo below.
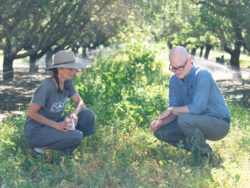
{"type": "Point", "coordinates": [48, 58]}
{"type": "Point", "coordinates": [235, 64]}
{"type": "Point", "coordinates": [207, 51]}
{"type": "Point", "coordinates": [75, 49]}
{"type": "Point", "coordinates": [8, 72]}
{"type": "Point", "coordinates": [193, 51]}
{"type": "Point", "coordinates": [33, 67]}
{"type": "Point", "coordinates": [235, 53]}
{"type": "Point", "coordinates": [235, 60]}
{"type": "Point", "coordinates": [84, 53]}
{"type": "Point", "coordinates": [201, 51]}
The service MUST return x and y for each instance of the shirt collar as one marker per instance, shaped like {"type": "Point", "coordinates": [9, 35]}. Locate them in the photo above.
{"type": "Point", "coordinates": [189, 75]}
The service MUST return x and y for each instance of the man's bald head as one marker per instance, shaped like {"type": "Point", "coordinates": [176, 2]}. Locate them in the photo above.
{"type": "Point", "coordinates": [179, 51]}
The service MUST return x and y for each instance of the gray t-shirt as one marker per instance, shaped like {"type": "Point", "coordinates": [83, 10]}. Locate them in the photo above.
{"type": "Point", "coordinates": [52, 101]}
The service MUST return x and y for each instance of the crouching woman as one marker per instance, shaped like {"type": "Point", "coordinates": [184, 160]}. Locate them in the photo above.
{"type": "Point", "coordinates": [45, 125]}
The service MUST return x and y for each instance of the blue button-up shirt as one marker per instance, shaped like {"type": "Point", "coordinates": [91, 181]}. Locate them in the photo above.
{"type": "Point", "coordinates": [199, 92]}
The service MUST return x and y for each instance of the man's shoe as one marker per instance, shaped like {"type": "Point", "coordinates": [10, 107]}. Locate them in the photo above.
{"type": "Point", "coordinates": [38, 151]}
{"type": "Point", "coordinates": [208, 155]}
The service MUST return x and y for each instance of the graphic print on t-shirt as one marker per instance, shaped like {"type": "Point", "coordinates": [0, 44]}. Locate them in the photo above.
{"type": "Point", "coordinates": [57, 107]}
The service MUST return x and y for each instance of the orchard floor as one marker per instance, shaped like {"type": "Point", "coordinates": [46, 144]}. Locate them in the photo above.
{"type": "Point", "coordinates": [15, 95]}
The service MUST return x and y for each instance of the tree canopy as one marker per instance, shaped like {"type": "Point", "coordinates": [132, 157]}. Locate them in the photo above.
{"type": "Point", "coordinates": [31, 28]}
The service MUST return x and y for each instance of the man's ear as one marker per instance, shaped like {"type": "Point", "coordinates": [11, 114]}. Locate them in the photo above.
{"type": "Point", "coordinates": [190, 59]}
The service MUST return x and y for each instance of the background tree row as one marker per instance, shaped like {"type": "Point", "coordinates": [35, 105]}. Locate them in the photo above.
{"type": "Point", "coordinates": [32, 29]}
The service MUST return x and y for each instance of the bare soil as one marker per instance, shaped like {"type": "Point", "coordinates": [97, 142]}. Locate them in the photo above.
{"type": "Point", "coordinates": [15, 95]}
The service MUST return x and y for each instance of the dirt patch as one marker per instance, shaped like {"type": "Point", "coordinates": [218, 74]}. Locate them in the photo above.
{"type": "Point", "coordinates": [236, 91]}
{"type": "Point", "coordinates": [15, 95]}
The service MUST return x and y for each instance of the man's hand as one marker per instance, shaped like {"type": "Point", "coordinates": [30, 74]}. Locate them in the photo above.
{"type": "Point", "coordinates": [155, 125]}
{"type": "Point", "coordinates": [166, 113]}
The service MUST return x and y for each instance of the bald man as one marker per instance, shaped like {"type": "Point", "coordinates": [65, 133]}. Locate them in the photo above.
{"type": "Point", "coordinates": [197, 110]}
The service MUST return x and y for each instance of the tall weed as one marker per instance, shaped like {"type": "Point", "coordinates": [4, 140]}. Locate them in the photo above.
{"type": "Point", "coordinates": [128, 86]}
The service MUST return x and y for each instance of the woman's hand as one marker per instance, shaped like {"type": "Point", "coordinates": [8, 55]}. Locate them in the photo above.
{"type": "Point", "coordinates": [61, 126]}
{"type": "Point", "coordinates": [74, 117]}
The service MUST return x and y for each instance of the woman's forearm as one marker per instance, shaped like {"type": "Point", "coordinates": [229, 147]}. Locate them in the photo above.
{"type": "Point", "coordinates": [78, 107]}
{"type": "Point", "coordinates": [41, 119]}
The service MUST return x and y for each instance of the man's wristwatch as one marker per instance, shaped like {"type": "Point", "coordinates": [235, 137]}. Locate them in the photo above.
{"type": "Point", "coordinates": [170, 109]}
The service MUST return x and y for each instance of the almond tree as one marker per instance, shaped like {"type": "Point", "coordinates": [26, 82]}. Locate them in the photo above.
{"type": "Point", "coordinates": [229, 21]}
{"type": "Point", "coordinates": [32, 28]}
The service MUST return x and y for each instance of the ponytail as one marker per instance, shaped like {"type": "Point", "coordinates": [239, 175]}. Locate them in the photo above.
{"type": "Point", "coordinates": [55, 76]}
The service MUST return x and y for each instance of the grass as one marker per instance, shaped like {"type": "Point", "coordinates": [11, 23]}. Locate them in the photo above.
{"type": "Point", "coordinates": [123, 154]}
{"type": "Point", "coordinates": [127, 157]}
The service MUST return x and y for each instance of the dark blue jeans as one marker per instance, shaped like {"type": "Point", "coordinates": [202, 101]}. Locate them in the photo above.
{"type": "Point", "coordinates": [37, 135]}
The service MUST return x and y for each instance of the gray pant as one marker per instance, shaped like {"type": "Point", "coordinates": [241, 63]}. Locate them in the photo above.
{"type": "Point", "coordinates": [37, 135]}
{"type": "Point", "coordinates": [189, 128]}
